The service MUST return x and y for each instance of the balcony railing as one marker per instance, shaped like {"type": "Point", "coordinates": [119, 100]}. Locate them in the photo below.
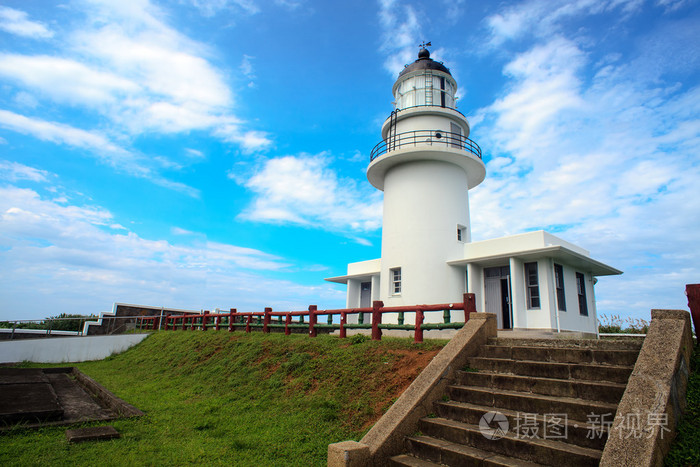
{"type": "Point", "coordinates": [425, 138]}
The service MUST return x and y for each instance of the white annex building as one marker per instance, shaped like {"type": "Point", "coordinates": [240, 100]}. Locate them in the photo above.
{"type": "Point", "coordinates": [425, 165]}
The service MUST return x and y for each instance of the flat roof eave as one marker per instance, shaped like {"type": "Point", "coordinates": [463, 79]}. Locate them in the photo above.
{"type": "Point", "coordinates": [344, 279]}
{"type": "Point", "coordinates": [556, 252]}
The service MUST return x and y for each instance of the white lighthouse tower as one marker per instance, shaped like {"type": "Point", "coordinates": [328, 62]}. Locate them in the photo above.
{"type": "Point", "coordinates": [425, 165]}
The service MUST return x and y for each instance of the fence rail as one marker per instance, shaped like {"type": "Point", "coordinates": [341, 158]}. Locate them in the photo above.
{"type": "Point", "coordinates": [309, 319]}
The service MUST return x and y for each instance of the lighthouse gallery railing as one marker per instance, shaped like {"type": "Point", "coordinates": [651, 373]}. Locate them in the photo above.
{"type": "Point", "coordinates": [423, 138]}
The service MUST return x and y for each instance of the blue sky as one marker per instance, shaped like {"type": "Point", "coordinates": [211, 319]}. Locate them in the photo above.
{"type": "Point", "coordinates": [201, 154]}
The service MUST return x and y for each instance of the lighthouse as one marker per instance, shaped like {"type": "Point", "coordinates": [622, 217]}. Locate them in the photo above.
{"type": "Point", "coordinates": [426, 164]}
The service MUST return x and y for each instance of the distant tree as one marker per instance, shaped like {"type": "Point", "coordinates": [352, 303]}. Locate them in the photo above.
{"type": "Point", "coordinates": [67, 322]}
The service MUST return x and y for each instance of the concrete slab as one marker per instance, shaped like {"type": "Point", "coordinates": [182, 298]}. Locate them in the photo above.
{"type": "Point", "coordinates": [55, 396]}
{"type": "Point", "coordinates": [22, 375]}
{"type": "Point", "coordinates": [77, 404]}
{"type": "Point", "coordinates": [28, 402]}
{"type": "Point", "coordinates": [95, 433]}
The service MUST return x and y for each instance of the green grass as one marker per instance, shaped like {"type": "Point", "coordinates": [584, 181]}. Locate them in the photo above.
{"type": "Point", "coordinates": [685, 450]}
{"type": "Point", "coordinates": [217, 398]}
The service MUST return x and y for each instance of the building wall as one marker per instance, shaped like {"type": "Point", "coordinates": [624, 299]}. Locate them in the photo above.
{"type": "Point", "coordinates": [424, 202]}
{"type": "Point", "coordinates": [571, 319]}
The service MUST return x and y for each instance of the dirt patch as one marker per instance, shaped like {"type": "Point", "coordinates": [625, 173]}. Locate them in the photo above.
{"type": "Point", "coordinates": [401, 369]}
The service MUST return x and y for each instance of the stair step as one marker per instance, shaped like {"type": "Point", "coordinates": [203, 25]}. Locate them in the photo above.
{"type": "Point", "coordinates": [411, 461]}
{"type": "Point", "coordinates": [623, 343]}
{"type": "Point", "coordinates": [574, 409]}
{"type": "Point", "coordinates": [581, 389]}
{"type": "Point", "coordinates": [562, 354]}
{"type": "Point", "coordinates": [588, 435]}
{"type": "Point", "coordinates": [453, 454]}
{"type": "Point", "coordinates": [612, 373]}
{"type": "Point", "coordinates": [541, 451]}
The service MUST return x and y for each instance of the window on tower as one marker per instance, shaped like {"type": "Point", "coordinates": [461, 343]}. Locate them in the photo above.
{"type": "Point", "coordinates": [461, 233]}
{"type": "Point", "coordinates": [395, 281]}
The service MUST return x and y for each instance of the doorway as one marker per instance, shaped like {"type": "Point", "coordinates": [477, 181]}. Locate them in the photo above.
{"type": "Point", "coordinates": [365, 294]}
{"type": "Point", "coordinates": [497, 290]}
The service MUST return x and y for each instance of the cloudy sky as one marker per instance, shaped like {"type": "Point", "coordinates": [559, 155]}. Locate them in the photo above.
{"type": "Point", "coordinates": [212, 153]}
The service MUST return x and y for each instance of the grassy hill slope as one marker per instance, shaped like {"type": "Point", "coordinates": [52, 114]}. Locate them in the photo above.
{"type": "Point", "coordinates": [216, 398]}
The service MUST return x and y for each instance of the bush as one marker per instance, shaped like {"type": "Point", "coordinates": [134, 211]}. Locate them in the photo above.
{"type": "Point", "coordinates": [616, 325]}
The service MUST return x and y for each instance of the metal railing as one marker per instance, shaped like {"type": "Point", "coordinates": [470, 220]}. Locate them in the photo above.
{"type": "Point", "coordinates": [425, 138]}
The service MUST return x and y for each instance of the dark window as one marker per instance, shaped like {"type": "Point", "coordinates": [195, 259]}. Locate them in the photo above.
{"type": "Point", "coordinates": [581, 288]}
{"type": "Point", "coordinates": [442, 93]}
{"type": "Point", "coordinates": [533, 288]}
{"type": "Point", "coordinates": [559, 282]}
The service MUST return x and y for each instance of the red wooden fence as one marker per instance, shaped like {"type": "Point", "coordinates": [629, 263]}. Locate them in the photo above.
{"type": "Point", "coordinates": [264, 319]}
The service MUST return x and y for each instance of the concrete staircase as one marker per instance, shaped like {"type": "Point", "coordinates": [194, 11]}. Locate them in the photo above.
{"type": "Point", "coordinates": [557, 397]}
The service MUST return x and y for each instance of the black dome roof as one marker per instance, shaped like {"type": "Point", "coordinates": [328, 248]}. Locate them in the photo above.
{"type": "Point", "coordinates": [424, 62]}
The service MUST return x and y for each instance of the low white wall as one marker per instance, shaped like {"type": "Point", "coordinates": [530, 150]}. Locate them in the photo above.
{"type": "Point", "coordinates": [66, 349]}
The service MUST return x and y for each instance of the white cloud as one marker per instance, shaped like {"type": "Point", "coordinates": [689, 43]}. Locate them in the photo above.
{"type": "Point", "coordinates": [672, 5]}
{"type": "Point", "coordinates": [303, 190]}
{"type": "Point", "coordinates": [401, 34]}
{"type": "Point", "coordinates": [213, 7]}
{"type": "Point", "coordinates": [98, 145]}
{"type": "Point", "coordinates": [60, 133]}
{"type": "Point", "coordinates": [194, 153]}
{"type": "Point", "coordinates": [14, 171]}
{"type": "Point", "coordinates": [543, 18]}
{"type": "Point", "coordinates": [248, 70]}
{"type": "Point", "coordinates": [16, 22]}
{"type": "Point", "coordinates": [144, 76]}
{"type": "Point", "coordinates": [26, 100]}
{"type": "Point", "coordinates": [70, 257]}
{"type": "Point", "coordinates": [66, 80]}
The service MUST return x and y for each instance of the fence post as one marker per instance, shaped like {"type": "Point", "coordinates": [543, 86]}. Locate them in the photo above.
{"type": "Point", "coordinates": [418, 333]}
{"type": "Point", "coordinates": [184, 322]}
{"type": "Point", "coordinates": [231, 319]}
{"type": "Point", "coordinates": [287, 322]}
{"type": "Point", "coordinates": [312, 320]}
{"type": "Point", "coordinates": [693, 293]}
{"type": "Point", "coordinates": [446, 316]}
{"type": "Point", "coordinates": [376, 320]}
{"type": "Point", "coordinates": [156, 323]}
{"type": "Point", "coordinates": [469, 305]}
{"type": "Point", "coordinates": [266, 320]}
{"type": "Point", "coordinates": [166, 321]}
{"type": "Point", "coordinates": [204, 320]}
{"type": "Point", "coordinates": [248, 321]}
{"type": "Point", "coordinates": [343, 320]}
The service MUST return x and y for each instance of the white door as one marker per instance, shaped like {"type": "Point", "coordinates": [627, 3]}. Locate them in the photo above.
{"type": "Point", "coordinates": [493, 298]}
{"type": "Point", "coordinates": [365, 294]}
